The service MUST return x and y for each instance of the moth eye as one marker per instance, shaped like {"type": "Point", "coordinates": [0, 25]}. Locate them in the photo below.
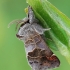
{"type": "Point", "coordinates": [18, 36]}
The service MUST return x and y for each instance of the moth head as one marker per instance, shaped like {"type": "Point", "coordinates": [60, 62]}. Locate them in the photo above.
{"type": "Point", "coordinates": [22, 23]}
{"type": "Point", "coordinates": [22, 31]}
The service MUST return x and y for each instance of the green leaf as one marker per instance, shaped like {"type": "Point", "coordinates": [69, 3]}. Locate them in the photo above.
{"type": "Point", "coordinates": [51, 17]}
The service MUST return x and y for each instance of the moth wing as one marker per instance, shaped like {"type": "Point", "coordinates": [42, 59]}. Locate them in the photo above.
{"type": "Point", "coordinates": [43, 63]}
{"type": "Point", "coordinates": [41, 47]}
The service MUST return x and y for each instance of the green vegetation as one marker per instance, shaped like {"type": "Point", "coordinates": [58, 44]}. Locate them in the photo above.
{"type": "Point", "coordinates": [51, 17]}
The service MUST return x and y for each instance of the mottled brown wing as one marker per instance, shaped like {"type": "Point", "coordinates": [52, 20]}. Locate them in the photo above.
{"type": "Point", "coordinates": [44, 63]}
{"type": "Point", "coordinates": [40, 57]}
{"type": "Point", "coordinates": [36, 46]}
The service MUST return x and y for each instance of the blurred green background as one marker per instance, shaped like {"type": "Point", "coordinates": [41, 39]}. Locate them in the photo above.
{"type": "Point", "coordinates": [12, 52]}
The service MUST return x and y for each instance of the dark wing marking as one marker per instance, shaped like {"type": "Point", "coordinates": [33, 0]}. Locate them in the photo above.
{"type": "Point", "coordinates": [43, 63]}
{"type": "Point", "coordinates": [40, 48]}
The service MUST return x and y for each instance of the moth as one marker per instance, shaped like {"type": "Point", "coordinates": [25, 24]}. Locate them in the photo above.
{"type": "Point", "coordinates": [38, 54]}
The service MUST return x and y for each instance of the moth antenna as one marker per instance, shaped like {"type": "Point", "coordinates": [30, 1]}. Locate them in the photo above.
{"type": "Point", "coordinates": [18, 24]}
{"type": "Point", "coordinates": [17, 21]}
{"type": "Point", "coordinates": [14, 21]}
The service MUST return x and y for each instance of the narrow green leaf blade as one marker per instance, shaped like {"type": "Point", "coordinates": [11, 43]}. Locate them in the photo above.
{"type": "Point", "coordinates": [59, 23]}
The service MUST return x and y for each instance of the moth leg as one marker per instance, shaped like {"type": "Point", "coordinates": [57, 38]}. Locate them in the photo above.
{"type": "Point", "coordinates": [43, 30]}
{"type": "Point", "coordinates": [46, 29]}
{"type": "Point", "coordinates": [39, 29]}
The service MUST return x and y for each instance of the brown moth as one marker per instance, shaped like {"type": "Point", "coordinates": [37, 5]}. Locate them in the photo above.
{"type": "Point", "coordinates": [39, 56]}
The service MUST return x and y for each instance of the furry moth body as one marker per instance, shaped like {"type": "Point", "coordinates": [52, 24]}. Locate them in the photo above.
{"type": "Point", "coordinates": [39, 56]}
